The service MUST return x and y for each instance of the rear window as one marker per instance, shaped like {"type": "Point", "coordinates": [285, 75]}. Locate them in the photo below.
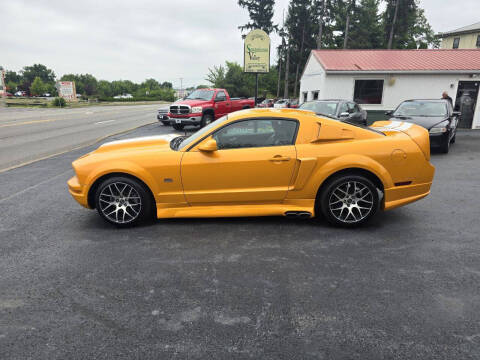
{"type": "Point", "coordinates": [328, 108]}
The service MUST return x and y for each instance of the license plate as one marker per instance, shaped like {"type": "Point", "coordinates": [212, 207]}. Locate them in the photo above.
{"type": "Point", "coordinates": [178, 121]}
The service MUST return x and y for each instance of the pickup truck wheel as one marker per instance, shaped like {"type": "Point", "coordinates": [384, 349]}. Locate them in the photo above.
{"type": "Point", "coordinates": [178, 127]}
{"type": "Point", "coordinates": [206, 119]}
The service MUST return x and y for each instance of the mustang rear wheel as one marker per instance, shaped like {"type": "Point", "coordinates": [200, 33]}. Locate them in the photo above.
{"type": "Point", "coordinates": [123, 201]}
{"type": "Point", "coordinates": [349, 200]}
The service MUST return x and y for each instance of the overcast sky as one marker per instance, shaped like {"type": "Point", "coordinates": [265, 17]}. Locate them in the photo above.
{"type": "Point", "coordinates": [162, 39]}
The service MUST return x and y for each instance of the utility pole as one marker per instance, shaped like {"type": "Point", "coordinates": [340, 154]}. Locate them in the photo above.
{"type": "Point", "coordinates": [282, 47]}
{"type": "Point", "coordinates": [285, 93]}
{"type": "Point", "coordinates": [181, 87]}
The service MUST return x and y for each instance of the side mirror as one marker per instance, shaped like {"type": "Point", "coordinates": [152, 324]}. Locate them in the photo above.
{"type": "Point", "coordinates": [457, 113]}
{"type": "Point", "coordinates": [389, 112]}
{"type": "Point", "coordinates": [344, 114]}
{"type": "Point", "coordinates": [209, 146]}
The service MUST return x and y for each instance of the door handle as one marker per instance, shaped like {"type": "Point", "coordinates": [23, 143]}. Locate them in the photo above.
{"type": "Point", "coordinates": [280, 158]}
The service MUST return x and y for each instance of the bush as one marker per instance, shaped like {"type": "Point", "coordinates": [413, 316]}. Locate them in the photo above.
{"type": "Point", "coordinates": [59, 102]}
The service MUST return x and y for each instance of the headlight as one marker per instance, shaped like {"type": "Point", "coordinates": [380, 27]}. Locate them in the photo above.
{"type": "Point", "coordinates": [438, 130]}
{"type": "Point", "coordinates": [196, 109]}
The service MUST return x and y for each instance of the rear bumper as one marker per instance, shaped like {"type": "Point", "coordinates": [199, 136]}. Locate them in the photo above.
{"type": "Point", "coordinates": [78, 192]}
{"type": "Point", "coordinates": [402, 195]}
{"type": "Point", "coordinates": [162, 117]}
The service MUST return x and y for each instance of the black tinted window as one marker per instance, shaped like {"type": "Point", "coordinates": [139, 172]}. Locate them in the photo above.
{"type": "Point", "coordinates": [368, 91]}
{"type": "Point", "coordinates": [256, 133]}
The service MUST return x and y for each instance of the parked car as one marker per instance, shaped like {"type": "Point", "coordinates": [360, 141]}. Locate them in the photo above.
{"type": "Point", "coordinates": [437, 116]}
{"type": "Point", "coordinates": [293, 104]}
{"type": "Point", "coordinates": [282, 103]}
{"type": "Point", "coordinates": [123, 96]}
{"type": "Point", "coordinates": [21, 93]}
{"type": "Point", "coordinates": [267, 103]}
{"type": "Point", "coordinates": [162, 115]}
{"type": "Point", "coordinates": [46, 95]}
{"type": "Point", "coordinates": [204, 106]}
{"type": "Point", "coordinates": [259, 162]}
{"type": "Point", "coordinates": [338, 109]}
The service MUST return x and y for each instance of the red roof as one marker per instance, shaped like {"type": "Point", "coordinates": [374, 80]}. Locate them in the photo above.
{"type": "Point", "coordinates": [399, 60]}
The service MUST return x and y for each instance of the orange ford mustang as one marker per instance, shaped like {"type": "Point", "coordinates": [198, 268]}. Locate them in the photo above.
{"type": "Point", "coordinates": [259, 162]}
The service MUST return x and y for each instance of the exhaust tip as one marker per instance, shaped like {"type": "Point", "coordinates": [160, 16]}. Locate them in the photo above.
{"type": "Point", "coordinates": [298, 214]}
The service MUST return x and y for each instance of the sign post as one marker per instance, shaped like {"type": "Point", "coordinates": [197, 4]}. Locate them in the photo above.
{"type": "Point", "coordinates": [256, 55]}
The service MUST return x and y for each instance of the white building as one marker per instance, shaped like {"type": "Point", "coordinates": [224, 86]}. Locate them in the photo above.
{"type": "Point", "coordinates": [380, 79]}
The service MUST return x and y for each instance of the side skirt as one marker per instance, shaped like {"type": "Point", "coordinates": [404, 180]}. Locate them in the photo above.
{"type": "Point", "coordinates": [225, 210]}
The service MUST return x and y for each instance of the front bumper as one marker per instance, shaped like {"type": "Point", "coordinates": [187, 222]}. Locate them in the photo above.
{"type": "Point", "coordinates": [78, 192]}
{"type": "Point", "coordinates": [188, 120]}
{"type": "Point", "coordinates": [436, 140]}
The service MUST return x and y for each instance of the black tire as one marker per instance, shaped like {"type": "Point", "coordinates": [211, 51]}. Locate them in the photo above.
{"type": "Point", "coordinates": [206, 119]}
{"type": "Point", "coordinates": [178, 127]}
{"type": "Point", "coordinates": [445, 147]}
{"type": "Point", "coordinates": [343, 207]}
{"type": "Point", "coordinates": [166, 123]}
{"type": "Point", "coordinates": [124, 202]}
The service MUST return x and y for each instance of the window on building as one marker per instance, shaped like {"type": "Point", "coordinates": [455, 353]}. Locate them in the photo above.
{"type": "Point", "coordinates": [304, 96]}
{"type": "Point", "coordinates": [478, 41]}
{"type": "Point", "coordinates": [368, 91]}
{"type": "Point", "coordinates": [315, 95]}
{"type": "Point", "coordinates": [456, 42]}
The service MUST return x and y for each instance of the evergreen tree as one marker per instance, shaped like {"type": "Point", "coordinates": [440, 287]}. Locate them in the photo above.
{"type": "Point", "coordinates": [366, 31]}
{"type": "Point", "coordinates": [38, 87]}
{"type": "Point", "coordinates": [405, 26]}
{"type": "Point", "coordinates": [260, 13]}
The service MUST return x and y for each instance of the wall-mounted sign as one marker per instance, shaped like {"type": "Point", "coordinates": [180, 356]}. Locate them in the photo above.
{"type": "Point", "coordinates": [66, 90]}
{"type": "Point", "coordinates": [256, 57]}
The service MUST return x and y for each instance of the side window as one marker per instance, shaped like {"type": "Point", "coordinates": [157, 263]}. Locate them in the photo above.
{"type": "Point", "coordinates": [221, 96]}
{"type": "Point", "coordinates": [344, 108]}
{"type": "Point", "coordinates": [351, 108]}
{"type": "Point", "coordinates": [256, 133]}
{"type": "Point", "coordinates": [456, 42]}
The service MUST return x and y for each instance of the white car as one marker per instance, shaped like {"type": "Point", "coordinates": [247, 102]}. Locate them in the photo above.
{"type": "Point", "coordinates": [282, 103]}
{"type": "Point", "coordinates": [124, 96]}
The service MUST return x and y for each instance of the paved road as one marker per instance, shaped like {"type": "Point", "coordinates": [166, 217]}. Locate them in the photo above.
{"type": "Point", "coordinates": [405, 287]}
{"type": "Point", "coordinates": [28, 134]}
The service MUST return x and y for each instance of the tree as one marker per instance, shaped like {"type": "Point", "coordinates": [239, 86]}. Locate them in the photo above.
{"type": "Point", "coordinates": [405, 26]}
{"type": "Point", "coordinates": [260, 13]}
{"type": "Point", "coordinates": [366, 30]}
{"type": "Point", "coordinates": [37, 87]}
{"type": "Point", "coordinates": [29, 73]}
{"type": "Point", "coordinates": [167, 84]}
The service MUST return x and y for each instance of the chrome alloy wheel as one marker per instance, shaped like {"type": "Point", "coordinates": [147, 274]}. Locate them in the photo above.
{"type": "Point", "coordinates": [351, 202]}
{"type": "Point", "coordinates": [120, 203]}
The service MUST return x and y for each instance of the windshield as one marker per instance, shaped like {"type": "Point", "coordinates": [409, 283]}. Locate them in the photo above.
{"type": "Point", "coordinates": [199, 134]}
{"type": "Point", "coordinates": [421, 108]}
{"type": "Point", "coordinates": [201, 95]}
{"type": "Point", "coordinates": [328, 108]}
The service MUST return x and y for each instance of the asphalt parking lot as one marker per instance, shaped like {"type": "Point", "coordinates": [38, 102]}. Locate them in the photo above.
{"type": "Point", "coordinates": [407, 286]}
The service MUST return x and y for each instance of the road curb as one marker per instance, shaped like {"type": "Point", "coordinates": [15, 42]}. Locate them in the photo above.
{"type": "Point", "coordinates": [73, 148]}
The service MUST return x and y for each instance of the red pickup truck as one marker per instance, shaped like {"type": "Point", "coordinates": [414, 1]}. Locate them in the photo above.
{"type": "Point", "coordinates": [203, 106]}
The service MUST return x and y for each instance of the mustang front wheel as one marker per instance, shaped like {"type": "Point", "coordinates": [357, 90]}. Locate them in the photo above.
{"type": "Point", "coordinates": [123, 201]}
{"type": "Point", "coordinates": [349, 200]}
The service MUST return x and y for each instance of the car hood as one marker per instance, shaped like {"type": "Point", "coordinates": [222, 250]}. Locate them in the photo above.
{"type": "Point", "coordinates": [160, 143]}
{"type": "Point", "coordinates": [425, 121]}
{"type": "Point", "coordinates": [192, 102]}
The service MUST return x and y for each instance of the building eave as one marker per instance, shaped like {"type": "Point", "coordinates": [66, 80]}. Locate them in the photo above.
{"type": "Point", "coordinates": [406, 72]}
